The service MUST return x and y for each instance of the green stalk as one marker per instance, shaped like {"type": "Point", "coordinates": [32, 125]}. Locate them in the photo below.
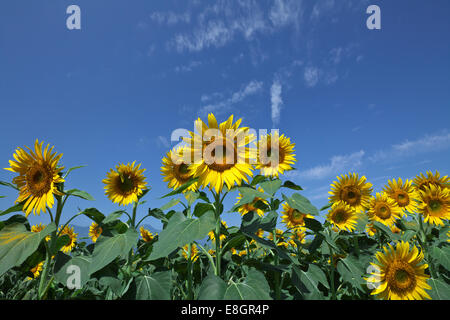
{"type": "Point", "coordinates": [217, 241]}
{"type": "Point", "coordinates": [276, 274]}
{"type": "Point", "coordinates": [132, 222]}
{"type": "Point", "coordinates": [423, 242]}
{"type": "Point", "coordinates": [333, 290]}
{"type": "Point", "coordinates": [190, 290]}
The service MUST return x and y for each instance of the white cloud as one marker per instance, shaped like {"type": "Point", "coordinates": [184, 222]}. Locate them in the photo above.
{"type": "Point", "coordinates": [189, 67]}
{"type": "Point", "coordinates": [321, 7]}
{"type": "Point", "coordinates": [426, 144]}
{"type": "Point", "coordinates": [224, 106]}
{"type": "Point", "coordinates": [285, 12]}
{"type": "Point", "coordinates": [276, 101]}
{"type": "Point", "coordinates": [170, 18]}
{"type": "Point", "coordinates": [337, 164]}
{"type": "Point", "coordinates": [311, 76]}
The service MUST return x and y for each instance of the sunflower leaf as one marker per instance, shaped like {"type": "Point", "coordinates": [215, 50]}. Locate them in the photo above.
{"type": "Point", "coordinates": [17, 244]}
{"type": "Point", "coordinates": [254, 287]}
{"type": "Point", "coordinates": [180, 231]}
{"type": "Point", "coordinates": [299, 202]}
{"type": "Point", "coordinates": [7, 184]}
{"type": "Point", "coordinates": [181, 188]}
{"type": "Point", "coordinates": [79, 193]}
{"type": "Point", "coordinates": [291, 185]}
{"type": "Point", "coordinates": [154, 287]}
{"type": "Point", "coordinates": [271, 187]}
{"type": "Point", "coordinates": [15, 208]}
{"type": "Point", "coordinates": [72, 169]}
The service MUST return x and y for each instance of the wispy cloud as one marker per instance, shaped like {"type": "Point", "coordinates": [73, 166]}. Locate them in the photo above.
{"type": "Point", "coordinates": [276, 101]}
{"type": "Point", "coordinates": [188, 67]}
{"type": "Point", "coordinates": [224, 106]}
{"type": "Point", "coordinates": [285, 12]}
{"type": "Point", "coordinates": [408, 148]}
{"type": "Point", "coordinates": [170, 18]}
{"type": "Point", "coordinates": [311, 76]}
{"type": "Point", "coordinates": [336, 165]}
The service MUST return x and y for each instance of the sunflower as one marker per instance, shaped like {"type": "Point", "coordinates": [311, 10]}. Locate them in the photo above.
{"type": "Point", "coordinates": [251, 206]}
{"type": "Point", "coordinates": [125, 184]}
{"type": "Point", "coordinates": [146, 235]}
{"type": "Point", "coordinates": [351, 189]}
{"type": "Point", "coordinates": [399, 273]}
{"type": "Point", "coordinates": [384, 209]}
{"type": "Point", "coordinates": [370, 229]}
{"type": "Point", "coordinates": [435, 205]}
{"type": "Point", "coordinates": [72, 237]}
{"type": "Point", "coordinates": [175, 169]}
{"type": "Point", "coordinates": [404, 194]}
{"type": "Point", "coordinates": [297, 235]}
{"type": "Point", "coordinates": [194, 252]}
{"type": "Point", "coordinates": [421, 181]}
{"type": "Point", "coordinates": [342, 216]}
{"type": "Point", "coordinates": [38, 177]}
{"type": "Point", "coordinates": [275, 155]}
{"type": "Point", "coordinates": [36, 270]}
{"type": "Point", "coordinates": [292, 217]}
{"type": "Point", "coordinates": [279, 238]}
{"type": "Point", "coordinates": [38, 228]}
{"type": "Point", "coordinates": [222, 237]}
{"type": "Point", "coordinates": [221, 153]}
{"type": "Point", "coordinates": [95, 231]}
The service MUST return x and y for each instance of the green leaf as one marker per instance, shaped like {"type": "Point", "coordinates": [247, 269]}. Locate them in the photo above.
{"type": "Point", "coordinates": [108, 248]}
{"type": "Point", "coordinates": [212, 288]}
{"type": "Point", "coordinates": [258, 179]}
{"type": "Point", "coordinates": [248, 196]}
{"type": "Point", "coordinates": [62, 268]}
{"type": "Point", "coordinates": [351, 271]}
{"type": "Point", "coordinates": [442, 256]}
{"type": "Point", "coordinates": [328, 206]}
{"type": "Point", "coordinates": [72, 169]}
{"type": "Point", "coordinates": [170, 204]}
{"type": "Point", "coordinates": [158, 214]}
{"type": "Point", "coordinates": [439, 289]}
{"type": "Point", "coordinates": [94, 214]}
{"type": "Point", "coordinates": [154, 287]}
{"type": "Point", "coordinates": [15, 208]}
{"type": "Point", "coordinates": [299, 202]}
{"type": "Point", "coordinates": [307, 282]}
{"type": "Point", "coordinates": [17, 244]}
{"type": "Point", "coordinates": [254, 287]}
{"type": "Point", "coordinates": [181, 231]}
{"type": "Point", "coordinates": [113, 216]}
{"type": "Point", "coordinates": [291, 185]}
{"type": "Point", "coordinates": [80, 194]}
{"type": "Point", "coordinates": [271, 187]}
{"type": "Point", "coordinates": [386, 230]}
{"type": "Point", "coordinates": [313, 224]}
{"type": "Point", "coordinates": [191, 197]}
{"type": "Point", "coordinates": [202, 208]}
{"type": "Point", "coordinates": [7, 184]}
{"type": "Point", "coordinates": [181, 188]}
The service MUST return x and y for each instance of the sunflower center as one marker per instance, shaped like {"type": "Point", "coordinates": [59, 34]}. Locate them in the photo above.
{"type": "Point", "coordinates": [402, 198]}
{"type": "Point", "coordinates": [271, 158]}
{"type": "Point", "coordinates": [182, 172]}
{"type": "Point", "coordinates": [297, 217]}
{"type": "Point", "coordinates": [351, 195]}
{"type": "Point", "coordinates": [39, 180]}
{"type": "Point", "coordinates": [340, 216]}
{"type": "Point", "coordinates": [126, 183]}
{"type": "Point", "coordinates": [435, 205]}
{"type": "Point", "coordinates": [220, 155]}
{"type": "Point", "coordinates": [383, 211]}
{"type": "Point", "coordinates": [401, 277]}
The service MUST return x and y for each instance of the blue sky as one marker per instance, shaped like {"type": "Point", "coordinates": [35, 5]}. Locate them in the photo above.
{"type": "Point", "coordinates": [352, 99]}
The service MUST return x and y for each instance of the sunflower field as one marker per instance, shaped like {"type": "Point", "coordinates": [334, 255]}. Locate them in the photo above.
{"type": "Point", "coordinates": [362, 245]}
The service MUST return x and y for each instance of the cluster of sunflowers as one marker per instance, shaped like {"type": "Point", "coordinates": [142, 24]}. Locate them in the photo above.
{"type": "Point", "coordinates": [398, 233]}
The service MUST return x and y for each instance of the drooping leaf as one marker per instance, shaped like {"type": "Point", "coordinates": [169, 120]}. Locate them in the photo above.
{"type": "Point", "coordinates": [254, 287]}
{"type": "Point", "coordinates": [154, 287]}
{"type": "Point", "coordinates": [94, 214]}
{"type": "Point", "coordinates": [180, 231]}
{"type": "Point", "coordinates": [291, 185]}
{"type": "Point", "coordinates": [181, 188]}
{"type": "Point", "coordinates": [80, 194]}
{"type": "Point", "coordinates": [17, 244]}
{"type": "Point", "coordinates": [212, 288]}
{"type": "Point", "coordinates": [109, 248]}
{"type": "Point", "coordinates": [15, 208]}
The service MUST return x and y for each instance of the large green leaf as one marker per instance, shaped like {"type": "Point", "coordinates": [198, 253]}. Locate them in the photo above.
{"type": "Point", "coordinates": [154, 287]}
{"type": "Point", "coordinates": [17, 244]}
{"type": "Point", "coordinates": [271, 186]}
{"type": "Point", "coordinates": [181, 231]}
{"type": "Point", "coordinates": [254, 287]}
{"type": "Point", "coordinates": [63, 264]}
{"type": "Point", "coordinates": [351, 271]}
{"type": "Point", "coordinates": [94, 214]}
{"type": "Point", "coordinates": [302, 204]}
{"type": "Point", "coordinates": [439, 289]}
{"type": "Point", "coordinates": [307, 282]}
{"type": "Point", "coordinates": [181, 188]}
{"type": "Point", "coordinates": [212, 288]}
{"type": "Point", "coordinates": [442, 256]}
{"type": "Point", "coordinates": [108, 248]}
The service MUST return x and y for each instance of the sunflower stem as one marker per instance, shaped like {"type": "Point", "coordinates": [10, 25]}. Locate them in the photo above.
{"type": "Point", "coordinates": [423, 243]}
{"type": "Point", "coordinates": [217, 241]}
{"type": "Point", "coordinates": [190, 291]}
{"type": "Point", "coordinates": [276, 274]}
{"type": "Point", "coordinates": [333, 290]}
